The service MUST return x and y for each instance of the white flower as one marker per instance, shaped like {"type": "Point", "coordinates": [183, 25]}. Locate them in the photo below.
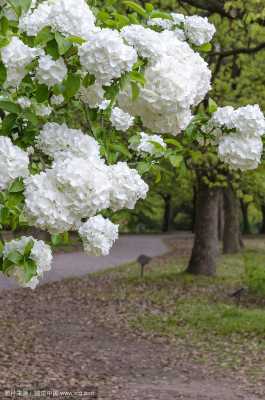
{"type": "Point", "coordinates": [121, 120]}
{"type": "Point", "coordinates": [224, 116]}
{"type": "Point", "coordinates": [198, 30]}
{"type": "Point", "coordinates": [46, 207]}
{"type": "Point", "coordinates": [43, 111]}
{"type": "Point", "coordinates": [175, 82]}
{"type": "Point", "coordinates": [16, 56]}
{"type": "Point", "coordinates": [106, 56]}
{"type": "Point", "coordinates": [147, 145]}
{"type": "Point", "coordinates": [98, 235]}
{"type": "Point", "coordinates": [57, 100]}
{"type": "Point", "coordinates": [35, 20]}
{"type": "Point", "coordinates": [250, 120]}
{"type": "Point", "coordinates": [51, 72]}
{"type": "Point", "coordinates": [24, 102]}
{"type": "Point", "coordinates": [73, 18]}
{"type": "Point", "coordinates": [161, 22]}
{"type": "Point", "coordinates": [93, 96]}
{"type": "Point", "coordinates": [178, 19]}
{"type": "Point", "coordinates": [84, 183]}
{"type": "Point", "coordinates": [40, 253]}
{"type": "Point", "coordinates": [55, 138]}
{"type": "Point", "coordinates": [14, 162]}
{"type": "Point", "coordinates": [127, 187]}
{"type": "Point", "coordinates": [240, 152]}
{"type": "Point", "coordinates": [104, 105]}
{"type": "Point", "coordinates": [69, 17]}
{"type": "Point", "coordinates": [247, 121]}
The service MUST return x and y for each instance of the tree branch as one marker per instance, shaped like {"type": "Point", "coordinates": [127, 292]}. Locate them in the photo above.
{"type": "Point", "coordinates": [240, 50]}
{"type": "Point", "coordinates": [213, 6]}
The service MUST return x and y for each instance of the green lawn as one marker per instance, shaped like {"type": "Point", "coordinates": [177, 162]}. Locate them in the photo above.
{"type": "Point", "coordinates": [195, 313]}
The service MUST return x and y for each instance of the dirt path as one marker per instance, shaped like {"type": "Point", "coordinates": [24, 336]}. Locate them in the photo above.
{"type": "Point", "coordinates": [127, 249]}
{"type": "Point", "coordinates": [60, 337]}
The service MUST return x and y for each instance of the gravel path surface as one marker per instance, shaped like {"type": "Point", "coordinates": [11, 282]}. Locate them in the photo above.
{"type": "Point", "coordinates": [126, 249]}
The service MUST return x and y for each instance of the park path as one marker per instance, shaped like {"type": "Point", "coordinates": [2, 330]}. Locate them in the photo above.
{"type": "Point", "coordinates": [76, 264]}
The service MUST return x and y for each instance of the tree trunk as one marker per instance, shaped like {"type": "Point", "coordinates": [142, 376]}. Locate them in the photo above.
{"type": "Point", "coordinates": [246, 224]}
{"type": "Point", "coordinates": [262, 230]}
{"type": "Point", "coordinates": [205, 248]}
{"type": "Point", "coordinates": [167, 213]}
{"type": "Point", "coordinates": [194, 201]}
{"type": "Point", "coordinates": [231, 240]}
{"type": "Point", "coordinates": [221, 216]}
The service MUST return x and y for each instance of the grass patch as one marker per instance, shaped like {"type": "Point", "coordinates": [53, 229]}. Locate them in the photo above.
{"type": "Point", "coordinates": [197, 313]}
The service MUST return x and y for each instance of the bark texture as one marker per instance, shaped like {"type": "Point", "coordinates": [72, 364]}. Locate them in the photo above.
{"type": "Point", "coordinates": [232, 235]}
{"type": "Point", "coordinates": [246, 224]}
{"type": "Point", "coordinates": [205, 248]}
{"type": "Point", "coordinates": [262, 230]}
{"type": "Point", "coordinates": [168, 213]}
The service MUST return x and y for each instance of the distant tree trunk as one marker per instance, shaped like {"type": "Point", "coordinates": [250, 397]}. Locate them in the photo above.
{"type": "Point", "coordinates": [205, 248]}
{"type": "Point", "coordinates": [246, 224]}
{"type": "Point", "coordinates": [194, 200]}
{"type": "Point", "coordinates": [167, 219]}
{"type": "Point", "coordinates": [262, 230]}
{"type": "Point", "coordinates": [221, 216]}
{"type": "Point", "coordinates": [231, 238]}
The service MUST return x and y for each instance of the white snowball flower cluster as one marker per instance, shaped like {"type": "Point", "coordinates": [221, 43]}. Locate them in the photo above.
{"type": "Point", "coordinates": [45, 205]}
{"type": "Point", "coordinates": [98, 235]}
{"type": "Point", "coordinates": [176, 77]}
{"type": "Point", "coordinates": [57, 100]}
{"type": "Point", "coordinates": [40, 253]}
{"type": "Point", "coordinates": [79, 183]}
{"type": "Point", "coordinates": [69, 17]}
{"type": "Point", "coordinates": [85, 185]}
{"type": "Point", "coordinates": [16, 56]}
{"type": "Point", "coordinates": [121, 120]}
{"type": "Point", "coordinates": [51, 72]}
{"type": "Point", "coordinates": [127, 187]}
{"type": "Point", "coordinates": [24, 102]}
{"type": "Point", "coordinates": [243, 148]}
{"type": "Point", "coordinates": [106, 56]}
{"type": "Point", "coordinates": [239, 152]}
{"type": "Point", "coordinates": [147, 144]}
{"type": "Point", "coordinates": [198, 30]}
{"type": "Point", "coordinates": [93, 96]}
{"type": "Point", "coordinates": [35, 20]}
{"type": "Point", "coordinates": [14, 162]}
{"type": "Point", "coordinates": [43, 111]}
{"type": "Point", "coordinates": [55, 138]}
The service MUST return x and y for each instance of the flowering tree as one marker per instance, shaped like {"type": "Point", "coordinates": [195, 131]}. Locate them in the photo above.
{"type": "Point", "coordinates": [85, 98]}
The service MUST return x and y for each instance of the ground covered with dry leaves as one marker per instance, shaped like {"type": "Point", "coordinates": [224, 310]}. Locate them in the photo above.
{"type": "Point", "coordinates": [168, 336]}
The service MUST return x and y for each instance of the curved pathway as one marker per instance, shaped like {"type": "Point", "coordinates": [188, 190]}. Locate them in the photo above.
{"type": "Point", "coordinates": [126, 249]}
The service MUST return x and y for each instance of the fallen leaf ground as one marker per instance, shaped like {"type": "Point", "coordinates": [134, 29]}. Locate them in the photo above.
{"type": "Point", "coordinates": [169, 336]}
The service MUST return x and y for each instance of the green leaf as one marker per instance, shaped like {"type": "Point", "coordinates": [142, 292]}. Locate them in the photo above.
{"type": "Point", "coordinates": [9, 106]}
{"type": "Point", "coordinates": [149, 7]}
{"type": "Point", "coordinates": [137, 8]}
{"type": "Point", "coordinates": [143, 167]}
{"type": "Point", "coordinates": [9, 122]}
{"type": "Point", "coordinates": [63, 44]}
{"type": "Point", "coordinates": [76, 39]}
{"type": "Point", "coordinates": [56, 240]}
{"type": "Point", "coordinates": [88, 80]}
{"type": "Point", "coordinates": [4, 25]}
{"type": "Point", "coordinates": [135, 91]}
{"type": "Point", "coordinates": [31, 117]}
{"type": "Point", "coordinates": [3, 41]}
{"type": "Point", "coordinates": [30, 269]}
{"type": "Point", "coordinates": [205, 48]}
{"type": "Point", "coordinates": [175, 160]}
{"type": "Point", "coordinates": [44, 36]}
{"type": "Point", "coordinates": [16, 186]}
{"type": "Point", "coordinates": [15, 257]}
{"type": "Point", "coordinates": [52, 49]}
{"type": "Point", "coordinates": [159, 14]}
{"type": "Point", "coordinates": [25, 5]}
{"type": "Point", "coordinates": [137, 77]}
{"type": "Point", "coordinates": [212, 106]}
{"type": "Point", "coordinates": [3, 73]}
{"type": "Point", "coordinates": [72, 85]}
{"type": "Point", "coordinates": [28, 248]}
{"type": "Point", "coordinates": [42, 93]}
